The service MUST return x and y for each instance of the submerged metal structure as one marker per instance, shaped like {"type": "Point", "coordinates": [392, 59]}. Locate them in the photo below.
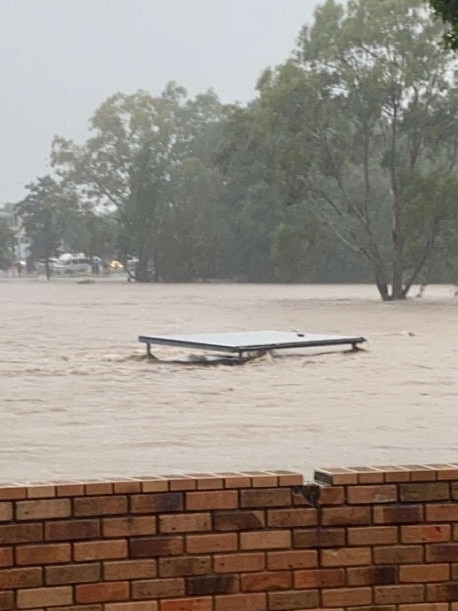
{"type": "Point", "coordinates": [248, 342]}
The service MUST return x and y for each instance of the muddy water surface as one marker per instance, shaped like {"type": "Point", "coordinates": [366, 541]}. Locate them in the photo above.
{"type": "Point", "coordinates": [78, 399]}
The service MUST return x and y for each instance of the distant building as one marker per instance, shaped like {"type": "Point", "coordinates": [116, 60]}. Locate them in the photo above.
{"type": "Point", "coordinates": [21, 243]}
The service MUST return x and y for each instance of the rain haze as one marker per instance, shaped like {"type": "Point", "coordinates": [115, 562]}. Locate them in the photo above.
{"type": "Point", "coordinates": [60, 60]}
{"type": "Point", "coordinates": [205, 243]}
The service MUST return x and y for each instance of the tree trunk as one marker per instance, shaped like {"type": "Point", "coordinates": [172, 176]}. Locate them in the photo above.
{"type": "Point", "coordinates": [142, 271]}
{"type": "Point", "coordinates": [398, 225]}
{"type": "Point", "coordinates": [47, 268]}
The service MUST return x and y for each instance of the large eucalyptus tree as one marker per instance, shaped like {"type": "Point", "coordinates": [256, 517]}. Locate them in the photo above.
{"type": "Point", "coordinates": [365, 116]}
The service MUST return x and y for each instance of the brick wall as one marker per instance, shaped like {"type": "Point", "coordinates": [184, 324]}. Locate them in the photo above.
{"type": "Point", "coordinates": [383, 538]}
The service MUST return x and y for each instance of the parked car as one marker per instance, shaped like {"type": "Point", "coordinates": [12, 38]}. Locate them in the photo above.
{"type": "Point", "coordinates": [68, 264]}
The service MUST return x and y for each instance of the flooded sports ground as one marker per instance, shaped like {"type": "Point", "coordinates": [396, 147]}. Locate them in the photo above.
{"type": "Point", "coordinates": [80, 400]}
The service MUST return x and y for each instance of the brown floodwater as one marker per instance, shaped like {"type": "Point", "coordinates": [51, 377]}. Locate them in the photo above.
{"type": "Point", "coordinates": [79, 400]}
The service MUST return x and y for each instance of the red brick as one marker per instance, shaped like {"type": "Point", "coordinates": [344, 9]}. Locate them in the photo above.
{"type": "Point", "coordinates": [187, 604]}
{"type": "Point", "coordinates": [346, 557]}
{"type": "Point", "coordinates": [44, 597]}
{"type": "Point", "coordinates": [102, 592]}
{"type": "Point", "coordinates": [426, 533]}
{"type": "Point", "coordinates": [6, 601]}
{"type": "Point", "coordinates": [182, 483]}
{"type": "Point", "coordinates": [266, 581]}
{"type": "Point", "coordinates": [12, 493]}
{"type": "Point", "coordinates": [376, 535]}
{"type": "Point", "coordinates": [41, 491]}
{"type": "Point", "coordinates": [72, 530]}
{"type": "Point", "coordinates": [127, 487]}
{"type": "Point", "coordinates": [20, 533]}
{"type": "Point", "coordinates": [157, 503]}
{"type": "Point", "coordinates": [98, 487]}
{"type": "Point", "coordinates": [158, 588]}
{"type": "Point", "coordinates": [155, 484]}
{"type": "Point", "coordinates": [237, 602]}
{"type": "Point", "coordinates": [236, 480]}
{"type": "Point", "coordinates": [129, 526]}
{"type": "Point", "coordinates": [398, 514]}
{"type": "Point", "coordinates": [454, 488]}
{"type": "Point", "coordinates": [99, 506]}
{"type": "Point", "coordinates": [447, 472]}
{"type": "Point", "coordinates": [100, 550]}
{"type": "Point", "coordinates": [185, 566]}
{"type": "Point", "coordinates": [421, 473]}
{"type": "Point", "coordinates": [346, 597]}
{"type": "Point", "coordinates": [319, 578]}
{"type": "Point", "coordinates": [361, 495]}
{"type": "Point", "coordinates": [277, 561]}
{"type": "Point", "coordinates": [455, 531]}
{"type": "Point", "coordinates": [373, 608]}
{"type": "Point", "coordinates": [369, 475]}
{"type": "Point", "coordinates": [442, 552]}
{"type": "Point", "coordinates": [12, 579]}
{"type": "Point", "coordinates": [209, 481]}
{"type": "Point", "coordinates": [442, 513]}
{"type": "Point", "coordinates": [44, 554]}
{"type": "Point", "coordinates": [272, 539]}
{"type": "Point", "coordinates": [131, 606]}
{"type": "Point", "coordinates": [6, 556]}
{"type": "Point", "coordinates": [339, 476]}
{"type": "Point", "coordinates": [70, 490]}
{"type": "Point", "coordinates": [266, 497]}
{"type": "Point", "coordinates": [201, 544]}
{"type": "Point", "coordinates": [346, 516]}
{"type": "Point", "coordinates": [306, 599]}
{"type": "Point", "coordinates": [79, 608]}
{"type": "Point", "coordinates": [286, 478]}
{"type": "Point", "coordinates": [398, 554]}
{"type": "Point", "coordinates": [289, 518]}
{"type": "Point", "coordinates": [224, 499]}
{"type": "Point", "coordinates": [423, 573]}
{"type": "Point", "coordinates": [129, 569]}
{"type": "Point", "coordinates": [398, 594]}
{"type": "Point", "coordinates": [238, 563]}
{"type": "Point", "coordinates": [309, 495]}
{"type": "Point", "coordinates": [238, 520]}
{"type": "Point", "coordinates": [264, 480]}
{"type": "Point", "coordinates": [151, 547]}
{"type": "Point", "coordinates": [442, 592]}
{"type": "Point", "coordinates": [6, 512]}
{"type": "Point", "coordinates": [206, 585]}
{"type": "Point", "coordinates": [372, 575]}
{"type": "Point", "coordinates": [424, 607]}
{"type": "Point", "coordinates": [72, 573]}
{"type": "Point", "coordinates": [43, 509]}
{"type": "Point", "coordinates": [434, 491]}
{"type": "Point", "coordinates": [320, 537]}
{"type": "Point", "coordinates": [186, 522]}
{"type": "Point", "coordinates": [331, 495]}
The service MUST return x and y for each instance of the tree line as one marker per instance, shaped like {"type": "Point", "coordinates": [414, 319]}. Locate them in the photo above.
{"type": "Point", "coordinates": [342, 168]}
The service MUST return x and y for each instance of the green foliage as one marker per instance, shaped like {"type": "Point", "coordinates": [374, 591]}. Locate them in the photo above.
{"type": "Point", "coordinates": [7, 241]}
{"type": "Point", "coordinates": [45, 216]}
{"type": "Point", "coordinates": [342, 167]}
{"type": "Point", "coordinates": [149, 160]}
{"type": "Point", "coordinates": [363, 113]}
{"type": "Point", "coordinates": [447, 10]}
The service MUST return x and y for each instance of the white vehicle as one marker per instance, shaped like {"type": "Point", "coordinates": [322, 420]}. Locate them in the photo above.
{"type": "Point", "coordinates": [72, 264]}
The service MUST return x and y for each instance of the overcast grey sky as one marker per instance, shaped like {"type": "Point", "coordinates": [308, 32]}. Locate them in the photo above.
{"type": "Point", "coordinates": [59, 59]}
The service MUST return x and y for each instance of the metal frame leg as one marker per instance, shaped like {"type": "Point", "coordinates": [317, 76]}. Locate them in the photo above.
{"type": "Point", "coordinates": [149, 354]}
